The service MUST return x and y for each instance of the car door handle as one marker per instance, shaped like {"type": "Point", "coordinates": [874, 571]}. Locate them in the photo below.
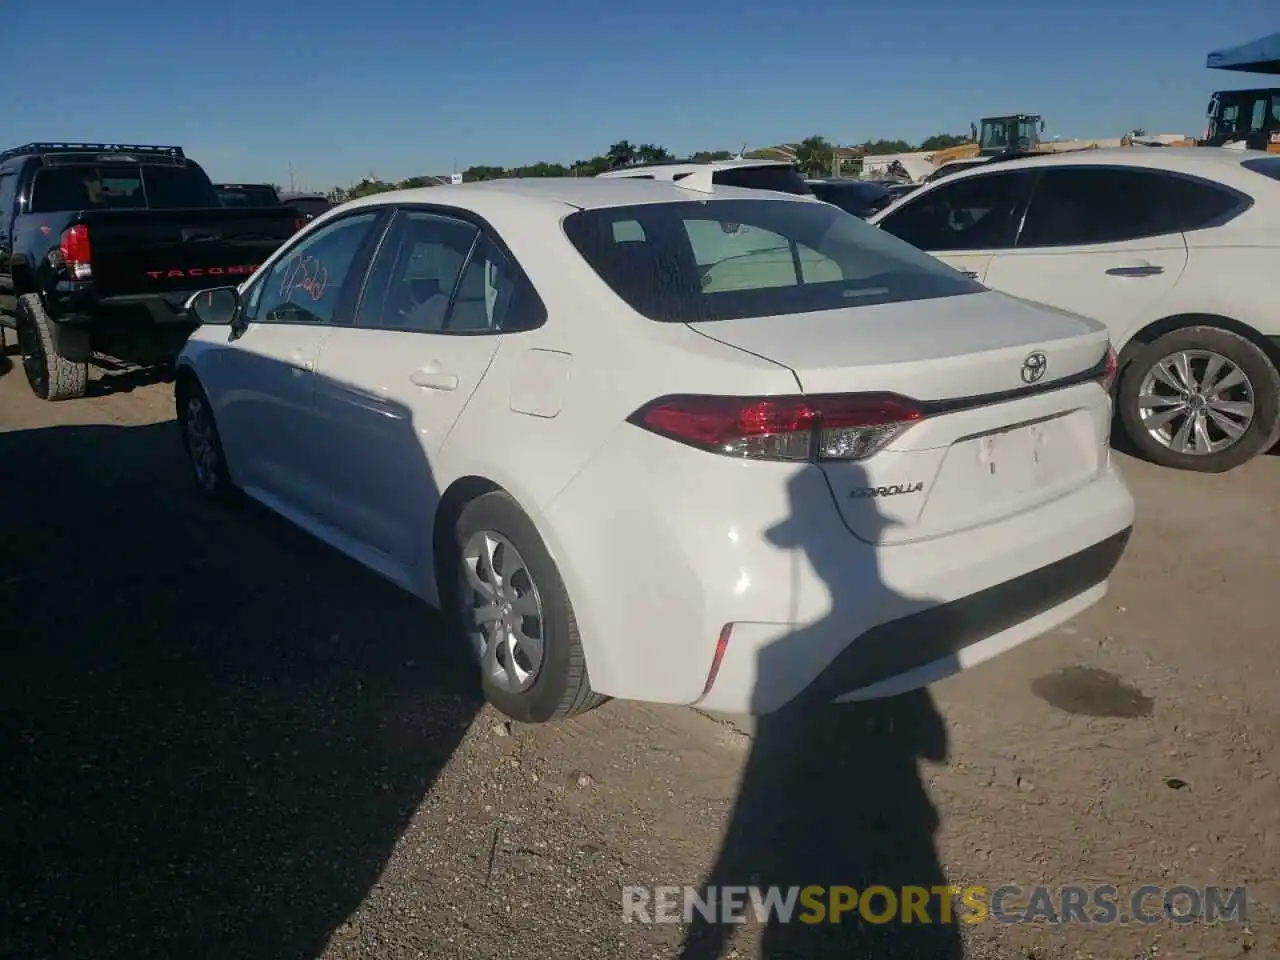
{"type": "Point", "coordinates": [302, 364]}
{"type": "Point", "coordinates": [433, 380]}
{"type": "Point", "coordinates": [1136, 270]}
{"type": "Point", "coordinates": [971, 274]}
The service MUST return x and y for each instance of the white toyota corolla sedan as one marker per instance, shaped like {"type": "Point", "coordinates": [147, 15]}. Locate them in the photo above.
{"type": "Point", "coordinates": [675, 442]}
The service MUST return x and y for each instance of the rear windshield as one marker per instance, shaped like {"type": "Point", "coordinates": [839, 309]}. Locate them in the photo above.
{"type": "Point", "coordinates": [692, 261]}
{"type": "Point", "coordinates": [1266, 166]}
{"type": "Point", "coordinates": [781, 179]}
{"type": "Point", "coordinates": [121, 186]}
{"type": "Point", "coordinates": [248, 197]}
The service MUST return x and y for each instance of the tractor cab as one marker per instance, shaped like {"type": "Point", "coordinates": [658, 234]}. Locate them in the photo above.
{"type": "Point", "coordinates": [1017, 132]}
{"type": "Point", "coordinates": [1250, 118]}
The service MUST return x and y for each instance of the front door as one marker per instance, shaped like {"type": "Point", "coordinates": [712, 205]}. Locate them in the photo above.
{"type": "Point", "coordinates": [392, 386]}
{"type": "Point", "coordinates": [1104, 242]}
{"type": "Point", "coordinates": [963, 222]}
{"type": "Point", "coordinates": [264, 383]}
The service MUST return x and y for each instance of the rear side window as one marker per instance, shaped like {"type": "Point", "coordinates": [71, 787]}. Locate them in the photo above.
{"type": "Point", "coordinates": [1203, 204]}
{"type": "Point", "coordinates": [780, 179]}
{"type": "Point", "coordinates": [725, 259]}
{"type": "Point", "coordinates": [1077, 206]}
{"type": "Point", "coordinates": [120, 186]}
{"type": "Point", "coordinates": [1267, 166]}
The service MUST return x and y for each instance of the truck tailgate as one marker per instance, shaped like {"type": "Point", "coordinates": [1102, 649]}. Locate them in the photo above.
{"type": "Point", "coordinates": [158, 252]}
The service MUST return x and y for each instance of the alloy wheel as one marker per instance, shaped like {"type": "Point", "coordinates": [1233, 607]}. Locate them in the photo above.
{"type": "Point", "coordinates": [1196, 402]}
{"type": "Point", "coordinates": [502, 609]}
{"type": "Point", "coordinates": [201, 444]}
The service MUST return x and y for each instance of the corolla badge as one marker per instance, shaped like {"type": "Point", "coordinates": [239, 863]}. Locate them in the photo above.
{"type": "Point", "coordinates": [1034, 366]}
{"type": "Point", "coordinates": [891, 490]}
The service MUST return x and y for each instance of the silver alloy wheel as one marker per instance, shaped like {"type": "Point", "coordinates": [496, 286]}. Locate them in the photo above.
{"type": "Point", "coordinates": [200, 443]}
{"type": "Point", "coordinates": [502, 609]}
{"type": "Point", "coordinates": [1196, 402]}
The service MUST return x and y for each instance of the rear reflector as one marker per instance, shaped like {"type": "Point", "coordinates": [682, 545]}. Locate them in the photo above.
{"type": "Point", "coordinates": [722, 644]}
{"type": "Point", "coordinates": [838, 427]}
{"type": "Point", "coordinates": [1108, 377]}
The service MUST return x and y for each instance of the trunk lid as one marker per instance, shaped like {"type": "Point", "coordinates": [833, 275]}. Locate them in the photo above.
{"type": "Point", "coordinates": [1012, 418]}
{"type": "Point", "coordinates": [142, 252]}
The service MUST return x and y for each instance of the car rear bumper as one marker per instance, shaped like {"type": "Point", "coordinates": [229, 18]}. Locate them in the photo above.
{"type": "Point", "coordinates": [922, 647]}
{"type": "Point", "coordinates": [662, 546]}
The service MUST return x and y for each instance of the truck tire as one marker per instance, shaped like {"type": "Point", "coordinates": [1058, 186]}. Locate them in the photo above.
{"type": "Point", "coordinates": [51, 376]}
{"type": "Point", "coordinates": [1200, 384]}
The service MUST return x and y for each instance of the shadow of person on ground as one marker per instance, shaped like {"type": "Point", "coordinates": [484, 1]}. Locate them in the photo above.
{"type": "Point", "coordinates": [213, 729]}
{"type": "Point", "coordinates": [831, 794]}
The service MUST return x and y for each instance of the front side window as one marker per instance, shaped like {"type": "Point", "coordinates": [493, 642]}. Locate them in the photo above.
{"type": "Point", "coordinates": [976, 213]}
{"type": "Point", "coordinates": [686, 262]}
{"type": "Point", "coordinates": [413, 277]}
{"type": "Point", "coordinates": [306, 284]}
{"type": "Point", "coordinates": [1078, 206]}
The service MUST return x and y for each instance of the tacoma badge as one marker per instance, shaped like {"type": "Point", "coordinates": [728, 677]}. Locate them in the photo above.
{"type": "Point", "coordinates": [892, 490]}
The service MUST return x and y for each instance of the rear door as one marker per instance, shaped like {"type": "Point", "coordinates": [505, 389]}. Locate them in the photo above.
{"type": "Point", "coordinates": [436, 303]}
{"type": "Point", "coordinates": [1102, 241]}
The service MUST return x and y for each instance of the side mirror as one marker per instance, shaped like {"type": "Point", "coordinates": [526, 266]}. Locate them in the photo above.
{"type": "Point", "coordinates": [216, 307]}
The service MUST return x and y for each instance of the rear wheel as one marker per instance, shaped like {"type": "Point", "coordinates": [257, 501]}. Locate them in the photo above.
{"type": "Point", "coordinates": [1201, 398]}
{"type": "Point", "coordinates": [51, 376]}
{"type": "Point", "coordinates": [514, 610]}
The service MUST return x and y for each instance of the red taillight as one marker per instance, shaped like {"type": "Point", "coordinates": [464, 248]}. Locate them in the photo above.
{"type": "Point", "coordinates": [299, 224]}
{"type": "Point", "coordinates": [77, 255]}
{"type": "Point", "coordinates": [1108, 377]}
{"type": "Point", "coordinates": [840, 427]}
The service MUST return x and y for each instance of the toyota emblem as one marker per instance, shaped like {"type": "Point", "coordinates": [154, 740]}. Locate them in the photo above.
{"type": "Point", "coordinates": [1033, 367]}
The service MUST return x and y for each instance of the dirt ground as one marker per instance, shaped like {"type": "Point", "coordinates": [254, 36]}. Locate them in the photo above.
{"type": "Point", "coordinates": [220, 739]}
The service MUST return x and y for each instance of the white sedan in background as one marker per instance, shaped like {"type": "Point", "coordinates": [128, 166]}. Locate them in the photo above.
{"type": "Point", "coordinates": [1175, 250]}
{"type": "Point", "coordinates": [675, 442]}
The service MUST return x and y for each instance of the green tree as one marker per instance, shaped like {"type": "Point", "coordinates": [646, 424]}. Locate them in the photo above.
{"type": "Point", "coordinates": [877, 148]}
{"type": "Point", "coordinates": [649, 153]}
{"type": "Point", "coordinates": [814, 155]}
{"type": "Point", "coordinates": [706, 156]}
{"type": "Point", "coordinates": [622, 154]}
{"type": "Point", "coordinates": [483, 172]}
{"type": "Point", "coordinates": [942, 141]}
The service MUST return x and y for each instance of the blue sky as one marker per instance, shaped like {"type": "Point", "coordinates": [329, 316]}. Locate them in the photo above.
{"type": "Point", "coordinates": [401, 87]}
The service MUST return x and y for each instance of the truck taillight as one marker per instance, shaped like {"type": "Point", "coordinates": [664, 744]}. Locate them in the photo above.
{"type": "Point", "coordinates": [837, 427]}
{"type": "Point", "coordinates": [299, 223]}
{"type": "Point", "coordinates": [77, 255]}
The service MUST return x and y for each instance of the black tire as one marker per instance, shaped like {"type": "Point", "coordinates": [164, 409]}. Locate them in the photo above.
{"type": "Point", "coordinates": [561, 687]}
{"type": "Point", "coordinates": [51, 376]}
{"type": "Point", "coordinates": [210, 474]}
{"type": "Point", "coordinates": [1261, 434]}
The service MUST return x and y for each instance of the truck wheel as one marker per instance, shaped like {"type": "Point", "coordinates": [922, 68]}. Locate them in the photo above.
{"type": "Point", "coordinates": [52, 376]}
{"type": "Point", "coordinates": [1200, 398]}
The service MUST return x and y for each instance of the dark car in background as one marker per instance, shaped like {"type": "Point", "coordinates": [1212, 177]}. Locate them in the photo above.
{"type": "Point", "coordinates": [309, 205]}
{"type": "Point", "coordinates": [862, 198]}
{"type": "Point", "coordinates": [248, 195]}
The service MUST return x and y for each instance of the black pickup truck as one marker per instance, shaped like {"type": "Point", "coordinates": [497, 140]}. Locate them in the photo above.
{"type": "Point", "coordinates": [100, 246]}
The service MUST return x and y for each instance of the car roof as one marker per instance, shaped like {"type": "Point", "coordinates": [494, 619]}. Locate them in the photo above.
{"type": "Point", "coordinates": [558, 193]}
{"type": "Point", "coordinates": [669, 168]}
{"type": "Point", "coordinates": [1210, 162]}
